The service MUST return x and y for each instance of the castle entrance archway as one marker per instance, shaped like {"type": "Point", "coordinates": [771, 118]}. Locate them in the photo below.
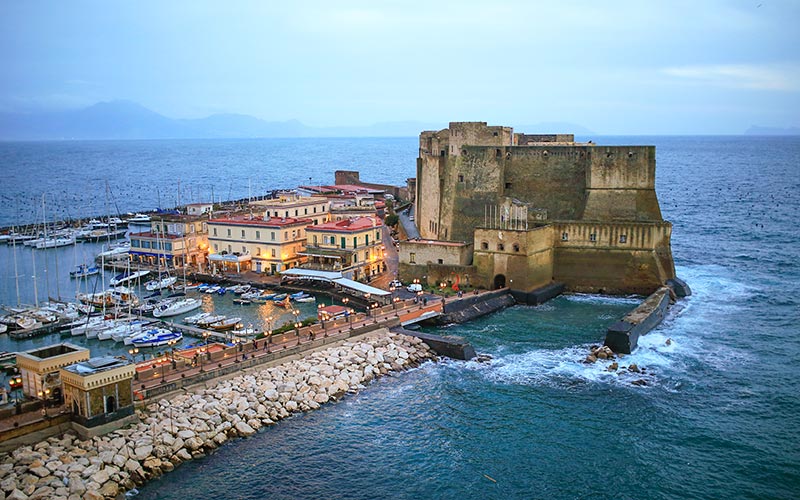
{"type": "Point", "coordinates": [499, 281]}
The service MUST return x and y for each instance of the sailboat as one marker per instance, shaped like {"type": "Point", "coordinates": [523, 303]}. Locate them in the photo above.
{"type": "Point", "coordinates": [84, 271]}
{"type": "Point", "coordinates": [174, 308]}
{"type": "Point", "coordinates": [127, 277]}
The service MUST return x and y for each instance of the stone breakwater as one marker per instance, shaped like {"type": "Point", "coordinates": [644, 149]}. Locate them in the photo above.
{"type": "Point", "coordinates": [192, 424]}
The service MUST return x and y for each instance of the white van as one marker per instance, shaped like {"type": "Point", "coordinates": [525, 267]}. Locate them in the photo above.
{"type": "Point", "coordinates": [414, 287]}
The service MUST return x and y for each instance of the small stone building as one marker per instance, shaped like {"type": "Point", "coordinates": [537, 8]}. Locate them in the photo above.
{"type": "Point", "coordinates": [39, 368]}
{"type": "Point", "coordinates": [99, 393]}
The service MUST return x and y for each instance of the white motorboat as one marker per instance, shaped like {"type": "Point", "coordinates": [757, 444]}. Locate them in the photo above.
{"type": "Point", "coordinates": [124, 278]}
{"type": "Point", "coordinates": [115, 251]}
{"type": "Point", "coordinates": [159, 284]}
{"type": "Point", "coordinates": [196, 318]}
{"type": "Point", "coordinates": [225, 324]}
{"type": "Point", "coordinates": [59, 241]}
{"type": "Point", "coordinates": [215, 318]}
{"type": "Point", "coordinates": [84, 271]}
{"type": "Point", "coordinates": [139, 219]}
{"type": "Point", "coordinates": [156, 337]}
{"type": "Point", "coordinates": [176, 307]}
{"type": "Point", "coordinates": [121, 330]}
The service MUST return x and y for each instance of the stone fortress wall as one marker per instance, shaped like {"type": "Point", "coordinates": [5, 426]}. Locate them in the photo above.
{"type": "Point", "coordinates": [603, 198]}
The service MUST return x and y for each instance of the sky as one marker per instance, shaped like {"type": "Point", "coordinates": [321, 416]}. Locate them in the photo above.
{"type": "Point", "coordinates": [614, 67]}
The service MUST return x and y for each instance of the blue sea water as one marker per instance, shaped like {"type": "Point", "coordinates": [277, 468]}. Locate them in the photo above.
{"type": "Point", "coordinates": [718, 418]}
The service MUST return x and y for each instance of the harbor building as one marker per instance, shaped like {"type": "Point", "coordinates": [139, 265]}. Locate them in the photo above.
{"type": "Point", "coordinates": [539, 209]}
{"type": "Point", "coordinates": [172, 241]}
{"type": "Point", "coordinates": [291, 205]}
{"type": "Point", "coordinates": [265, 245]}
{"type": "Point", "coordinates": [40, 369]}
{"type": "Point", "coordinates": [351, 246]}
{"type": "Point", "coordinates": [352, 206]}
{"type": "Point", "coordinates": [99, 393]}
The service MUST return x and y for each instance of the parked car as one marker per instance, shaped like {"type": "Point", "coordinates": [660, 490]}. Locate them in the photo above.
{"type": "Point", "coordinates": [396, 284]}
{"type": "Point", "coordinates": [414, 287]}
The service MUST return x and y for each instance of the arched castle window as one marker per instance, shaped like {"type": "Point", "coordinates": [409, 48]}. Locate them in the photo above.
{"type": "Point", "coordinates": [565, 236]}
{"type": "Point", "coordinates": [484, 245]}
{"type": "Point", "coordinates": [497, 153]}
{"type": "Point", "coordinates": [516, 247]}
{"type": "Point", "coordinates": [500, 247]}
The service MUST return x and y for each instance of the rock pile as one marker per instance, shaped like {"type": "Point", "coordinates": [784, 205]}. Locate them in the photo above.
{"type": "Point", "coordinates": [605, 353]}
{"type": "Point", "coordinates": [190, 425]}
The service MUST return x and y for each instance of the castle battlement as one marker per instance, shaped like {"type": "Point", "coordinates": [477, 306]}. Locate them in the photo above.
{"type": "Point", "coordinates": [602, 198]}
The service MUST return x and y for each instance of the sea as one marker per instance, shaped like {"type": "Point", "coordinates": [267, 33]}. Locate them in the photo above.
{"type": "Point", "coordinates": [718, 415]}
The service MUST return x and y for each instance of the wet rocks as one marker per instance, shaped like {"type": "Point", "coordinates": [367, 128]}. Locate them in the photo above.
{"type": "Point", "coordinates": [190, 425]}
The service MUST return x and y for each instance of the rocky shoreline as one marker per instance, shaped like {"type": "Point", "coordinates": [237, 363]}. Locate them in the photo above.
{"type": "Point", "coordinates": [192, 424]}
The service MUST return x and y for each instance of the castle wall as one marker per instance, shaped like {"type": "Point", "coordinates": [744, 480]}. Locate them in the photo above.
{"type": "Point", "coordinates": [612, 257]}
{"type": "Point", "coordinates": [524, 258]}
{"type": "Point", "coordinates": [620, 184]}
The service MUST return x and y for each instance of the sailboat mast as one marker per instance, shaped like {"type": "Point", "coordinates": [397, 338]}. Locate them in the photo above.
{"type": "Point", "coordinates": [46, 277]}
{"type": "Point", "coordinates": [35, 286]}
{"type": "Point", "coordinates": [16, 273]}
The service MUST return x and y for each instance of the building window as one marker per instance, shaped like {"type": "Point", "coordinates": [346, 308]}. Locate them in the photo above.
{"type": "Point", "coordinates": [215, 231]}
{"type": "Point", "coordinates": [355, 241]}
{"type": "Point", "coordinates": [497, 153]}
{"type": "Point", "coordinates": [295, 212]}
{"type": "Point", "coordinates": [229, 232]}
{"type": "Point", "coordinates": [484, 245]}
{"type": "Point", "coordinates": [366, 239]}
{"type": "Point", "coordinates": [315, 209]}
{"type": "Point", "coordinates": [285, 235]}
{"type": "Point", "coordinates": [343, 242]}
{"type": "Point", "coordinates": [145, 244]}
{"type": "Point", "coordinates": [500, 247]}
{"type": "Point", "coordinates": [440, 261]}
{"type": "Point", "coordinates": [230, 249]}
{"type": "Point", "coordinates": [508, 185]}
{"type": "Point", "coordinates": [355, 257]}
{"type": "Point", "coordinates": [593, 237]}
{"type": "Point", "coordinates": [273, 253]}
{"type": "Point", "coordinates": [242, 233]}
{"type": "Point", "coordinates": [411, 258]}
{"type": "Point", "coordinates": [305, 211]}
{"type": "Point", "coordinates": [315, 240]}
{"type": "Point", "coordinates": [258, 235]}
{"type": "Point", "coordinates": [168, 246]}
{"type": "Point", "coordinates": [216, 247]}
{"type": "Point", "coordinates": [494, 134]}
{"type": "Point", "coordinates": [516, 247]}
{"type": "Point", "coordinates": [564, 236]}
{"type": "Point", "coordinates": [623, 238]}
{"type": "Point", "coordinates": [272, 235]}
{"type": "Point", "coordinates": [258, 251]}
{"type": "Point", "coordinates": [135, 243]}
{"type": "Point", "coordinates": [460, 177]}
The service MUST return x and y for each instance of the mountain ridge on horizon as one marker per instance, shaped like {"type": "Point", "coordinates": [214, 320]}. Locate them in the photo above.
{"type": "Point", "coordinates": [124, 119]}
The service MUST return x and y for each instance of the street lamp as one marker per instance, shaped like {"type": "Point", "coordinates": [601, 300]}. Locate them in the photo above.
{"type": "Point", "coordinates": [44, 395]}
{"type": "Point", "coordinates": [133, 352]}
{"type": "Point", "coordinates": [297, 323]}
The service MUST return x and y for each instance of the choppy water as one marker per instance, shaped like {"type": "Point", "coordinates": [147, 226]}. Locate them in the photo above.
{"type": "Point", "coordinates": [719, 418]}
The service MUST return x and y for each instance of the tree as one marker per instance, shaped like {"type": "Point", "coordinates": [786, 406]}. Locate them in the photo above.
{"type": "Point", "coordinates": [391, 220]}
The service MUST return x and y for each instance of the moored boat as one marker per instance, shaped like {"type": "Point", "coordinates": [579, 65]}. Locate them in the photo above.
{"type": "Point", "coordinates": [225, 324]}
{"type": "Point", "coordinates": [156, 337]}
{"type": "Point", "coordinates": [177, 307]}
{"type": "Point", "coordinates": [127, 277]}
{"type": "Point", "coordinates": [159, 284]}
{"type": "Point", "coordinates": [84, 271]}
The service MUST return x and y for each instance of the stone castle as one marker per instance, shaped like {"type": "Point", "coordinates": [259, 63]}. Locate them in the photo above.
{"type": "Point", "coordinates": [496, 208]}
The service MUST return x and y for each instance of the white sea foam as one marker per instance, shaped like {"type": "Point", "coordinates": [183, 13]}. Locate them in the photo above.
{"type": "Point", "coordinates": [603, 299]}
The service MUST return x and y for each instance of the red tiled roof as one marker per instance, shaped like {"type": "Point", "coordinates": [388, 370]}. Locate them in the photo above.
{"type": "Point", "coordinates": [260, 222]}
{"type": "Point", "coordinates": [348, 225]}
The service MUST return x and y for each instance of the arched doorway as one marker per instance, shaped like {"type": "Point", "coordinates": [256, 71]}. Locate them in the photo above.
{"type": "Point", "coordinates": [499, 281]}
{"type": "Point", "coordinates": [111, 404]}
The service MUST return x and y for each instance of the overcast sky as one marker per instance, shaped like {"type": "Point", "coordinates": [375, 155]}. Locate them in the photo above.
{"type": "Point", "coordinates": [616, 67]}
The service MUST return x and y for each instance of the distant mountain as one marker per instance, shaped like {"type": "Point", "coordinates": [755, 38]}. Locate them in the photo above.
{"type": "Point", "coordinates": [130, 120]}
{"type": "Point", "coordinates": [757, 130]}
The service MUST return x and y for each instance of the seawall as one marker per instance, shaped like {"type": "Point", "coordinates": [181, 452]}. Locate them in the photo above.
{"type": "Point", "coordinates": [192, 424]}
{"type": "Point", "coordinates": [470, 307]}
{"type": "Point", "coordinates": [622, 337]}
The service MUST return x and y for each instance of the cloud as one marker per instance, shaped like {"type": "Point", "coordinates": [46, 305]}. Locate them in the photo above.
{"type": "Point", "coordinates": [740, 76]}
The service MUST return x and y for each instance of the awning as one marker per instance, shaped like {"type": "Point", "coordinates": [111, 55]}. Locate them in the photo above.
{"type": "Point", "coordinates": [361, 287]}
{"type": "Point", "coordinates": [312, 274]}
{"type": "Point", "coordinates": [218, 257]}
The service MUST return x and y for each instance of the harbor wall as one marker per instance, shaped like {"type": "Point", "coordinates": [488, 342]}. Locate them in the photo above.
{"type": "Point", "coordinates": [623, 335]}
{"type": "Point", "coordinates": [470, 307]}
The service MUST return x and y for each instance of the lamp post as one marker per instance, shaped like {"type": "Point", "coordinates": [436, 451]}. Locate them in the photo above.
{"type": "Point", "coordinates": [44, 395]}
{"type": "Point", "coordinates": [297, 323]}
{"type": "Point", "coordinates": [133, 352]}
